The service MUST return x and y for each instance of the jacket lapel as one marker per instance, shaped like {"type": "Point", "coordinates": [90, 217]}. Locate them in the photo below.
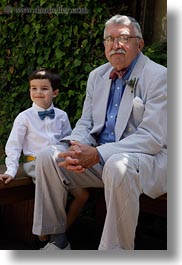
{"type": "Point", "coordinates": [101, 95]}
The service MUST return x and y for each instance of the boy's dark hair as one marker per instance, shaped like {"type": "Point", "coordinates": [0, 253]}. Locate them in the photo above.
{"type": "Point", "coordinates": [46, 73]}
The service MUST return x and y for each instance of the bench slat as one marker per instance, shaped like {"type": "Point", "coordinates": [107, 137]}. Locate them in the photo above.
{"type": "Point", "coordinates": [156, 206]}
{"type": "Point", "coordinates": [23, 188]}
{"type": "Point", "coordinates": [20, 189]}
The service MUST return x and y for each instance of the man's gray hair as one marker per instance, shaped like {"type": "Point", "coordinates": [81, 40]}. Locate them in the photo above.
{"type": "Point", "coordinates": [124, 20]}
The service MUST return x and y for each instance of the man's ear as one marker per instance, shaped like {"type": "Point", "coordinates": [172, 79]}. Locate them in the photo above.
{"type": "Point", "coordinates": [141, 44]}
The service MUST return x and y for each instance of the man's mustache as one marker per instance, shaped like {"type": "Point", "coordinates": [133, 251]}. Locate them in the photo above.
{"type": "Point", "coordinates": [121, 51]}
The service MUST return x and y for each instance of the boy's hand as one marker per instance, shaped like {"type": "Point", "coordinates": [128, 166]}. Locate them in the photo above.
{"type": "Point", "coordinates": [6, 178]}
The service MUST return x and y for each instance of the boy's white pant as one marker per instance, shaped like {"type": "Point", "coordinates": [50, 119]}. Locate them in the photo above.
{"type": "Point", "coordinates": [120, 180]}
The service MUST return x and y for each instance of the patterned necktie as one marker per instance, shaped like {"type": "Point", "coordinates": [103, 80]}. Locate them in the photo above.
{"type": "Point", "coordinates": [114, 74]}
{"type": "Point", "coordinates": [49, 113]}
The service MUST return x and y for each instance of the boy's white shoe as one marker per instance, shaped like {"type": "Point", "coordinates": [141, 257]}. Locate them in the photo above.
{"type": "Point", "coordinates": [52, 246]}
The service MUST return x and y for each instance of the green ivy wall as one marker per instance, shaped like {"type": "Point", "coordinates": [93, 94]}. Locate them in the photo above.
{"type": "Point", "coordinates": [68, 37]}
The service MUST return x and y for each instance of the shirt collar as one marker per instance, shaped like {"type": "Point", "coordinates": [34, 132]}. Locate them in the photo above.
{"type": "Point", "coordinates": [38, 108]}
{"type": "Point", "coordinates": [130, 68]}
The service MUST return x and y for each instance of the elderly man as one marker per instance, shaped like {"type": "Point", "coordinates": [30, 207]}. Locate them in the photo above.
{"type": "Point", "coordinates": [119, 143]}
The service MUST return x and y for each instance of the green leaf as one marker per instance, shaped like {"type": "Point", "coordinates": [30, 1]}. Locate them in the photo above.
{"type": "Point", "coordinates": [67, 43]}
{"type": "Point", "coordinates": [76, 63]}
{"type": "Point", "coordinates": [59, 54]}
{"type": "Point", "coordinates": [75, 29]}
{"type": "Point", "coordinates": [26, 29]}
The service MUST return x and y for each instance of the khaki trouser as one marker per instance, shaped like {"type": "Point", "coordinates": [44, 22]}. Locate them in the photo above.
{"type": "Point", "coordinates": [120, 180]}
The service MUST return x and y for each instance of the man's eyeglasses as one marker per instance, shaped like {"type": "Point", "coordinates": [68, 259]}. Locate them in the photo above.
{"type": "Point", "coordinates": [121, 39]}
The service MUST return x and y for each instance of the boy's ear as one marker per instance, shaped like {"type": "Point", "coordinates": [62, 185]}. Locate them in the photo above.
{"type": "Point", "coordinates": [55, 93]}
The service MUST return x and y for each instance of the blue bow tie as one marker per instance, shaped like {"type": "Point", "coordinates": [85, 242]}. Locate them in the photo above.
{"type": "Point", "coordinates": [49, 113]}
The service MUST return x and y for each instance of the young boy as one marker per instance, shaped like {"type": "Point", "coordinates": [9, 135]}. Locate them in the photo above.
{"type": "Point", "coordinates": [37, 127]}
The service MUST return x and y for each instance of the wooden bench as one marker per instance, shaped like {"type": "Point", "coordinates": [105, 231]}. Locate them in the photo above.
{"type": "Point", "coordinates": [157, 207]}
{"type": "Point", "coordinates": [20, 189]}
{"type": "Point", "coordinates": [17, 202]}
{"type": "Point", "coordinates": [16, 212]}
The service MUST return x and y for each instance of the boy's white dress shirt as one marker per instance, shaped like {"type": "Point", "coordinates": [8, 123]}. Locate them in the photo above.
{"type": "Point", "coordinates": [30, 134]}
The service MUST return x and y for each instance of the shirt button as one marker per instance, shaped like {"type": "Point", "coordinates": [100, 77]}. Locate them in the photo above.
{"type": "Point", "coordinates": [129, 130]}
{"type": "Point", "coordinates": [118, 87]}
{"type": "Point", "coordinates": [116, 105]}
{"type": "Point", "coordinates": [111, 117]}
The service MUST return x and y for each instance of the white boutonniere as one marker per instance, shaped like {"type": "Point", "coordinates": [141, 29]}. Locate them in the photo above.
{"type": "Point", "coordinates": [132, 83]}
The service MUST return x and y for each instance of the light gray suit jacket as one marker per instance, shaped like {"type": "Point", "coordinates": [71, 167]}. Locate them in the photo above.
{"type": "Point", "coordinates": [141, 125]}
